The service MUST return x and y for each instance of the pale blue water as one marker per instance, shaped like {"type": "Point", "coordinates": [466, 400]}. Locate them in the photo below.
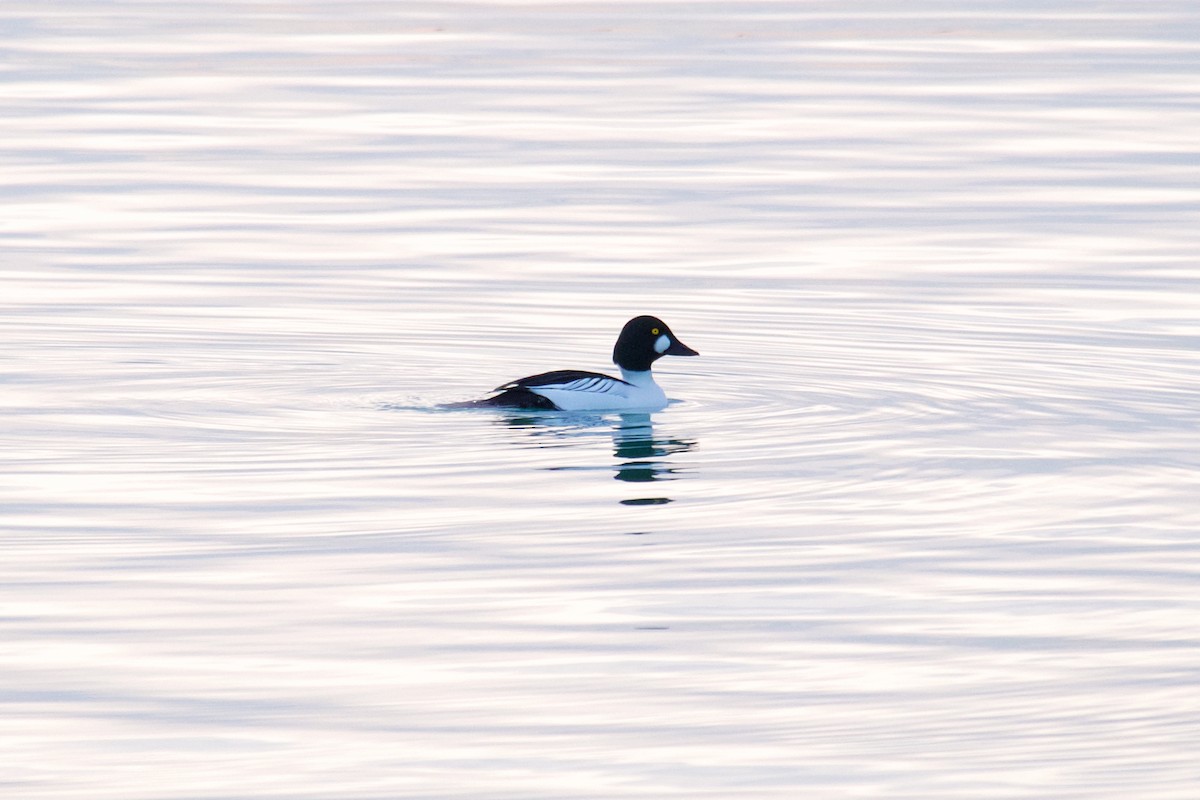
{"type": "Point", "coordinates": [922, 523]}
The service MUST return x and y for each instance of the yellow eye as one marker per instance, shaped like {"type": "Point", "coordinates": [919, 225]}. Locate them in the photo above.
{"type": "Point", "coordinates": [654, 331]}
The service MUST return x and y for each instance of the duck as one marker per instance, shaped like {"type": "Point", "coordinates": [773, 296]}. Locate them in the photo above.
{"type": "Point", "coordinates": [642, 341]}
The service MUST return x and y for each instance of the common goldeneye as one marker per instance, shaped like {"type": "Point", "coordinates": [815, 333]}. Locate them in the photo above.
{"type": "Point", "coordinates": [643, 341]}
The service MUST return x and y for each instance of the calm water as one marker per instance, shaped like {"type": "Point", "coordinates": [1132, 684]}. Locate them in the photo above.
{"type": "Point", "coordinates": [922, 523]}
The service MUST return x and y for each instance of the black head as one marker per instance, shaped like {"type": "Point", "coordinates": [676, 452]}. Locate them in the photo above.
{"type": "Point", "coordinates": [643, 341]}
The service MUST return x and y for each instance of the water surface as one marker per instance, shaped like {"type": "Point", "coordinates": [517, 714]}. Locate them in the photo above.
{"type": "Point", "coordinates": [922, 521]}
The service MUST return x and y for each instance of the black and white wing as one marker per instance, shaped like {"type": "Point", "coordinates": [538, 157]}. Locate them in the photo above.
{"type": "Point", "coordinates": [561, 390]}
{"type": "Point", "coordinates": [568, 380]}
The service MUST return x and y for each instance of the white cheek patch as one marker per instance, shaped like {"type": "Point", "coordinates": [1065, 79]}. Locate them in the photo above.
{"type": "Point", "coordinates": [661, 345]}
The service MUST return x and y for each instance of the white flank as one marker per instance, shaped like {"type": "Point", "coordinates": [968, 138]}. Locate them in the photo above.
{"type": "Point", "coordinates": [640, 393]}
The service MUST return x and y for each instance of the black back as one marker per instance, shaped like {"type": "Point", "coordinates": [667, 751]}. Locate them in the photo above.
{"type": "Point", "coordinates": [516, 398]}
{"type": "Point", "coordinates": [557, 378]}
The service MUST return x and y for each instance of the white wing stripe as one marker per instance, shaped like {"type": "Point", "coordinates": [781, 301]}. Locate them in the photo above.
{"type": "Point", "coordinates": [601, 385]}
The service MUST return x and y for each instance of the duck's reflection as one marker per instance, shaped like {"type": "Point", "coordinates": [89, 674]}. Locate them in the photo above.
{"type": "Point", "coordinates": [640, 456]}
